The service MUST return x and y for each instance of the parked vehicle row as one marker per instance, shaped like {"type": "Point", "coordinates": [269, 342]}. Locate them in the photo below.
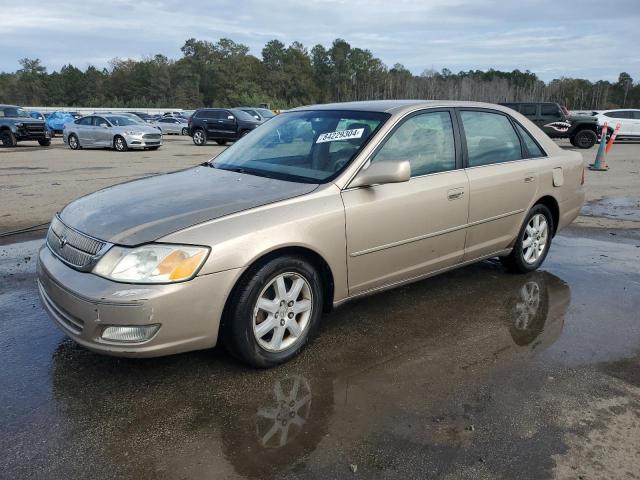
{"type": "Point", "coordinates": [319, 206]}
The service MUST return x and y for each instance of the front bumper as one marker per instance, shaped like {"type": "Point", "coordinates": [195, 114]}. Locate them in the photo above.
{"type": "Point", "coordinates": [139, 141]}
{"type": "Point", "coordinates": [83, 304]}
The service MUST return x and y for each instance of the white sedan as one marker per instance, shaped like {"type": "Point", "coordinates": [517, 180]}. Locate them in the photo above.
{"type": "Point", "coordinates": [175, 125]}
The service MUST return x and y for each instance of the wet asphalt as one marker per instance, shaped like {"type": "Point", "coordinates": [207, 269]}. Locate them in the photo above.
{"type": "Point", "coordinates": [476, 373]}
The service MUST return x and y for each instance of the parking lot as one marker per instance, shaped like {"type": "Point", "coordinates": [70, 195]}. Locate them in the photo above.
{"type": "Point", "coordinates": [472, 374]}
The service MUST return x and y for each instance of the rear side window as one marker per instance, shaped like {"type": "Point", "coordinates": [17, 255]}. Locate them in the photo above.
{"type": "Point", "coordinates": [636, 114]}
{"type": "Point", "coordinates": [533, 148]}
{"type": "Point", "coordinates": [426, 140]}
{"type": "Point", "coordinates": [528, 110]}
{"type": "Point", "coordinates": [210, 114]}
{"type": "Point", "coordinates": [619, 114]}
{"type": "Point", "coordinates": [490, 138]}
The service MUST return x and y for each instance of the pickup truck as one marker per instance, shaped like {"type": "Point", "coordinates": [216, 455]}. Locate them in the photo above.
{"type": "Point", "coordinates": [554, 120]}
{"type": "Point", "coordinates": [17, 125]}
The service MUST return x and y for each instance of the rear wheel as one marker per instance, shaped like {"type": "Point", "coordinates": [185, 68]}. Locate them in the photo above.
{"type": "Point", "coordinates": [185, 131]}
{"type": "Point", "coordinates": [584, 139]}
{"type": "Point", "coordinates": [120, 144]}
{"type": "Point", "coordinates": [73, 142]}
{"type": "Point", "coordinates": [273, 311]}
{"type": "Point", "coordinates": [533, 242]}
{"type": "Point", "coordinates": [199, 137]}
{"type": "Point", "coordinates": [8, 138]}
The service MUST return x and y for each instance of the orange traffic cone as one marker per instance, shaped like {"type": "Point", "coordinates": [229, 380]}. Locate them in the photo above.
{"type": "Point", "coordinates": [600, 164]}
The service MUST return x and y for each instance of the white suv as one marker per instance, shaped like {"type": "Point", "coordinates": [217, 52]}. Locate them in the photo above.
{"type": "Point", "coordinates": [629, 120]}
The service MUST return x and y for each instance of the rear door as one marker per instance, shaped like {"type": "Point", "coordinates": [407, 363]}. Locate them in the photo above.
{"type": "Point", "coordinates": [82, 128]}
{"type": "Point", "coordinates": [502, 180]}
{"type": "Point", "coordinates": [636, 123]}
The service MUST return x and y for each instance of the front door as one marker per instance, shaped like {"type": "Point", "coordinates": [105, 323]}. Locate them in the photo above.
{"type": "Point", "coordinates": [402, 231]}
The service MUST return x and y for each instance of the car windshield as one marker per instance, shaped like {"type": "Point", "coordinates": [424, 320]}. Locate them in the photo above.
{"type": "Point", "coordinates": [242, 115]}
{"type": "Point", "coordinates": [121, 121]}
{"type": "Point", "coordinates": [305, 146]}
{"type": "Point", "coordinates": [265, 112]}
{"type": "Point", "coordinates": [15, 112]}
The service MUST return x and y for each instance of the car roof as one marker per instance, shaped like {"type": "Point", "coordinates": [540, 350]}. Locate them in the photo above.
{"type": "Point", "coordinates": [398, 106]}
{"type": "Point", "coordinates": [619, 110]}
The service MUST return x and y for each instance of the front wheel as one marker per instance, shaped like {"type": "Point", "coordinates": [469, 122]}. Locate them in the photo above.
{"type": "Point", "coordinates": [273, 311]}
{"type": "Point", "coordinates": [8, 139]}
{"type": "Point", "coordinates": [44, 142]}
{"type": "Point", "coordinates": [120, 144]}
{"type": "Point", "coordinates": [533, 242]}
{"type": "Point", "coordinates": [584, 139]}
{"type": "Point", "coordinates": [73, 142]}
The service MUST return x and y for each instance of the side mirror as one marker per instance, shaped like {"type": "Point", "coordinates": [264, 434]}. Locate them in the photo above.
{"type": "Point", "coordinates": [231, 117]}
{"type": "Point", "coordinates": [378, 173]}
{"type": "Point", "coordinates": [104, 125]}
{"type": "Point", "coordinates": [256, 117]}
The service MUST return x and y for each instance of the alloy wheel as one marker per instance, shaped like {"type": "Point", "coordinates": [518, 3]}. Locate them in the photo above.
{"type": "Point", "coordinates": [73, 142]}
{"type": "Point", "coordinates": [535, 238]}
{"type": "Point", "coordinates": [282, 313]}
{"type": "Point", "coordinates": [198, 137]}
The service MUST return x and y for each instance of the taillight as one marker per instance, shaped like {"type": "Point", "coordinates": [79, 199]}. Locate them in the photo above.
{"type": "Point", "coordinates": [582, 179]}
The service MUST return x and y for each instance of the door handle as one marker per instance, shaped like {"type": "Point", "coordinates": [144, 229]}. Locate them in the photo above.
{"type": "Point", "coordinates": [455, 194]}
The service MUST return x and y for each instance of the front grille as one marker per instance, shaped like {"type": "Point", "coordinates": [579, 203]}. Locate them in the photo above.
{"type": "Point", "coordinates": [75, 248]}
{"type": "Point", "coordinates": [34, 128]}
{"type": "Point", "coordinates": [152, 136]}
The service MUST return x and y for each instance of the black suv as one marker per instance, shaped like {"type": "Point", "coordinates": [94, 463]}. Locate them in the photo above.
{"type": "Point", "coordinates": [221, 125]}
{"type": "Point", "coordinates": [554, 120]}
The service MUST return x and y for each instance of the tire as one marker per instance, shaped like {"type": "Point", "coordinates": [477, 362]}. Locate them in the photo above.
{"type": "Point", "coordinates": [199, 137]}
{"type": "Point", "coordinates": [222, 143]}
{"type": "Point", "coordinates": [45, 142]}
{"type": "Point", "coordinates": [8, 138]}
{"type": "Point", "coordinates": [74, 143]}
{"type": "Point", "coordinates": [120, 144]}
{"type": "Point", "coordinates": [584, 139]}
{"type": "Point", "coordinates": [527, 258]}
{"type": "Point", "coordinates": [185, 131]}
{"type": "Point", "coordinates": [272, 283]}
{"type": "Point", "coordinates": [572, 140]}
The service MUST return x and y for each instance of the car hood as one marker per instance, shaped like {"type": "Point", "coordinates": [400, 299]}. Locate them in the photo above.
{"type": "Point", "coordinates": [138, 127]}
{"type": "Point", "coordinates": [144, 210]}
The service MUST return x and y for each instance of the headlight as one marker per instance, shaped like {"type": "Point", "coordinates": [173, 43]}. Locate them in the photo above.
{"type": "Point", "coordinates": [154, 263]}
{"type": "Point", "coordinates": [19, 124]}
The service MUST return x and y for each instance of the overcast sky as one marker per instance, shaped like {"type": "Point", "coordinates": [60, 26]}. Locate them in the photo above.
{"type": "Point", "coordinates": [586, 38]}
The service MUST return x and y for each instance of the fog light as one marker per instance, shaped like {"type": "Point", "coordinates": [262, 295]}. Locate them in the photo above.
{"type": "Point", "coordinates": [138, 333]}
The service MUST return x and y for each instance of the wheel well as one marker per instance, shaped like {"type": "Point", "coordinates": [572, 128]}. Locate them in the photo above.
{"type": "Point", "coordinates": [314, 258]}
{"type": "Point", "coordinates": [551, 203]}
{"type": "Point", "coordinates": [579, 128]}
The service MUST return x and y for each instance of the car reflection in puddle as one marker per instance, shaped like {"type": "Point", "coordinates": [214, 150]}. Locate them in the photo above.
{"type": "Point", "coordinates": [403, 354]}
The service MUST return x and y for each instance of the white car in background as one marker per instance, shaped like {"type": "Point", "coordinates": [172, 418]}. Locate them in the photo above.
{"type": "Point", "coordinates": [176, 125]}
{"type": "Point", "coordinates": [629, 120]}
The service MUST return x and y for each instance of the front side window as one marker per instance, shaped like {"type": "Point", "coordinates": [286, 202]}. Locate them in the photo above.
{"type": "Point", "coordinates": [97, 121]}
{"type": "Point", "coordinates": [490, 138]}
{"type": "Point", "coordinates": [84, 121]}
{"type": "Point", "coordinates": [425, 140]}
{"type": "Point", "coordinates": [304, 146]}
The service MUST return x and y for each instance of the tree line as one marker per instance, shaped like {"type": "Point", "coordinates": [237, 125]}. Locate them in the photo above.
{"type": "Point", "coordinates": [226, 74]}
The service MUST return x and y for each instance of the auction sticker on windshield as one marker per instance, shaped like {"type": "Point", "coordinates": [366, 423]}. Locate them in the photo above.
{"type": "Point", "coordinates": [340, 135]}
